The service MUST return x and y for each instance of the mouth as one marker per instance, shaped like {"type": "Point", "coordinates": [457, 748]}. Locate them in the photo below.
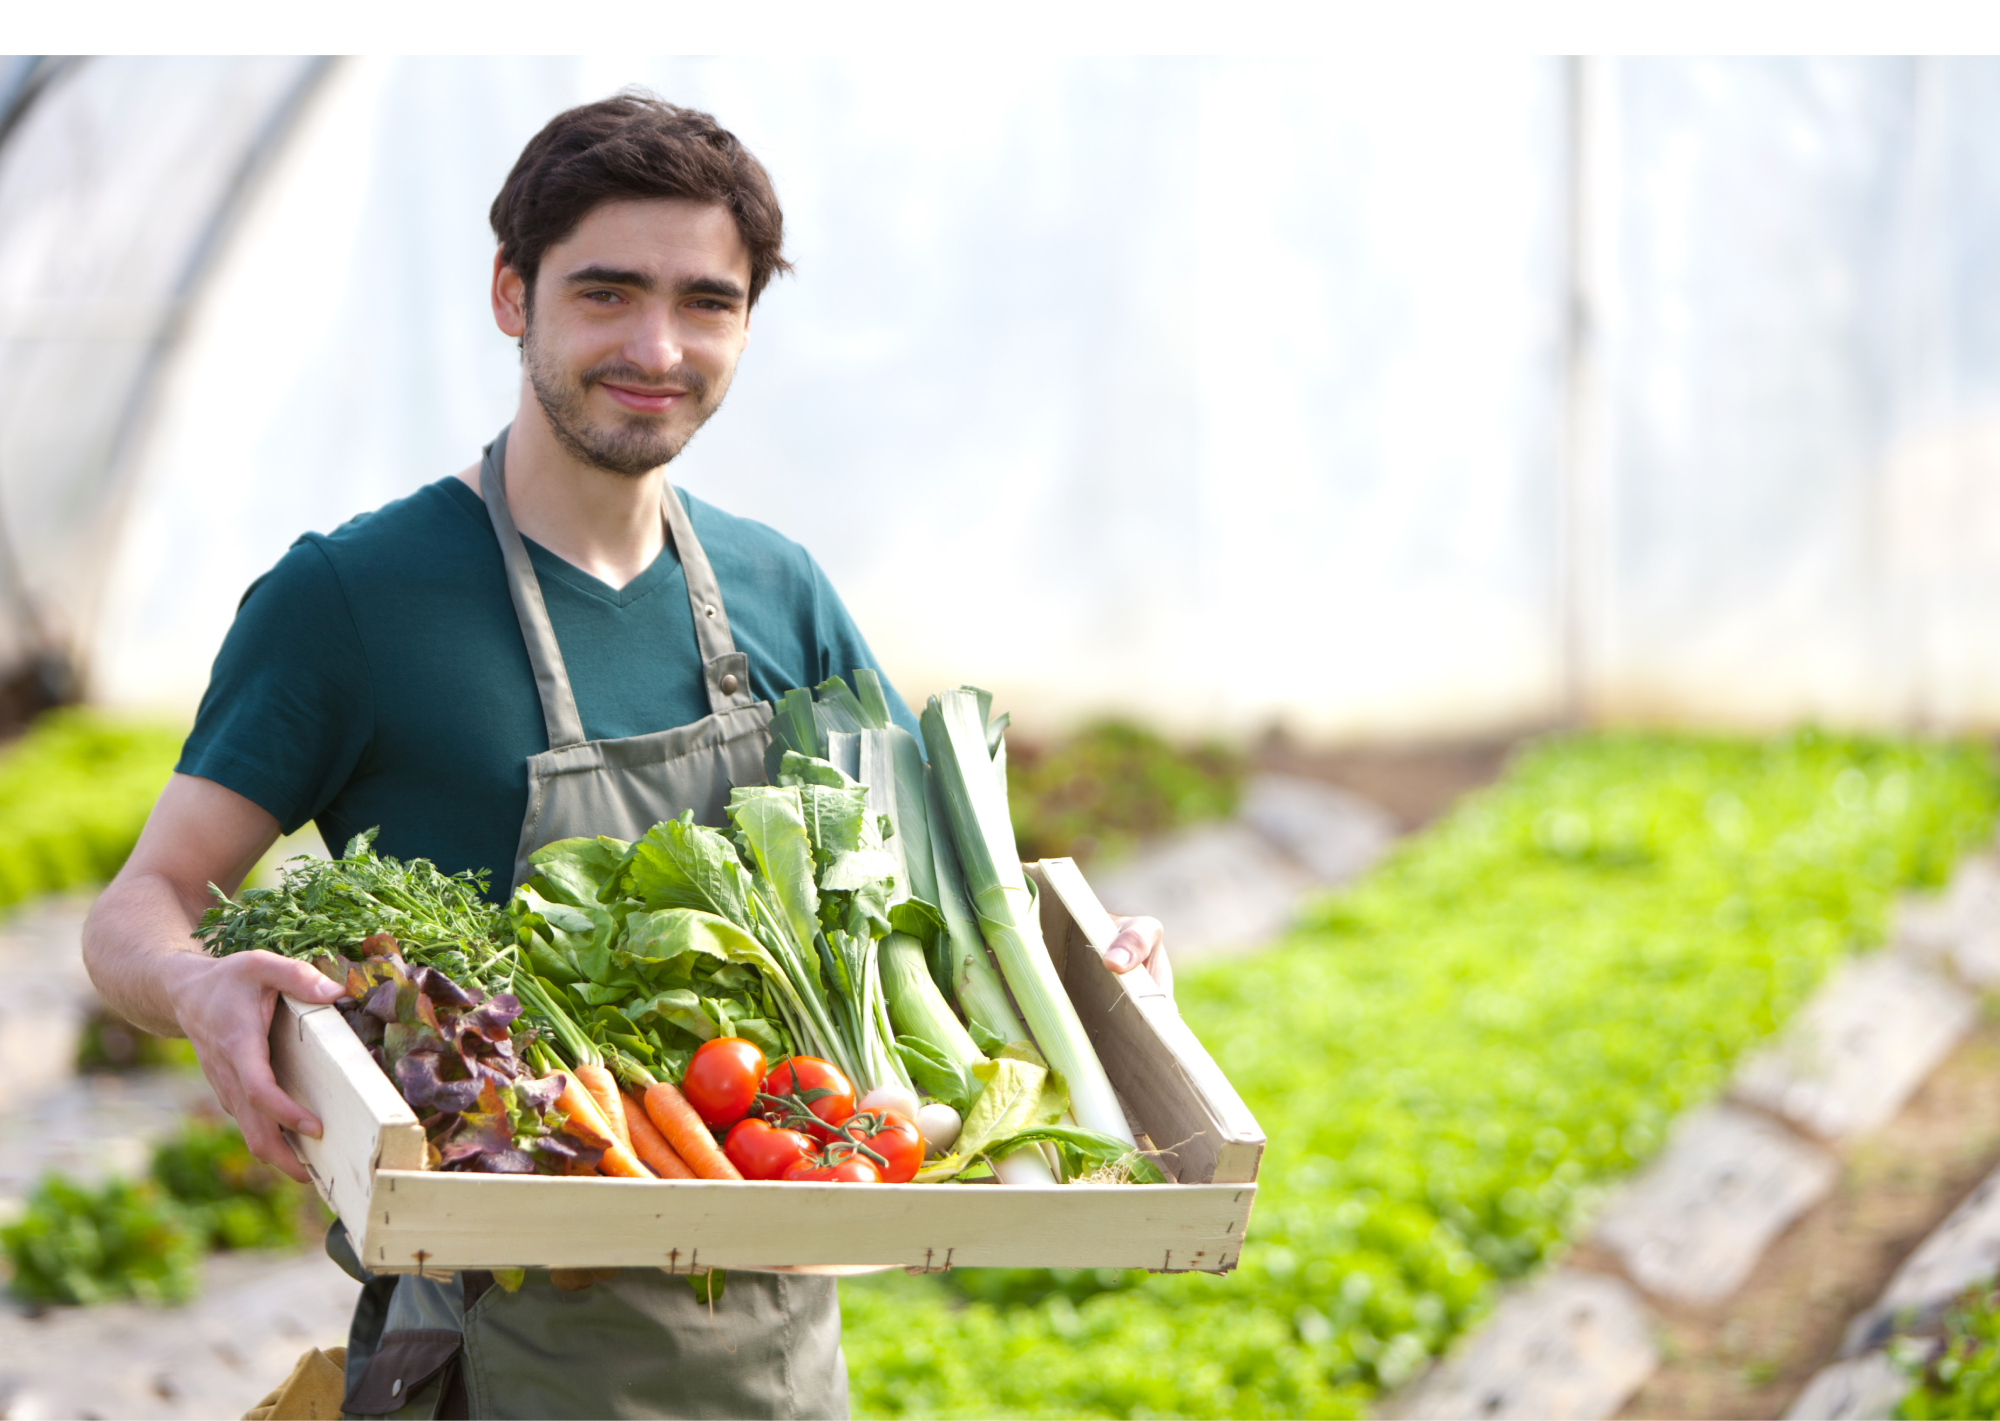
{"type": "Point", "coordinates": [643, 401]}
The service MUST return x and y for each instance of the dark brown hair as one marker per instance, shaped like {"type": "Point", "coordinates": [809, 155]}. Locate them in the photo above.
{"type": "Point", "coordinates": [633, 145]}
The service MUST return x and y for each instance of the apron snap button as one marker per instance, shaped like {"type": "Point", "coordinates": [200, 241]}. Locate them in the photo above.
{"type": "Point", "coordinates": [729, 683]}
{"type": "Point", "coordinates": [708, 607]}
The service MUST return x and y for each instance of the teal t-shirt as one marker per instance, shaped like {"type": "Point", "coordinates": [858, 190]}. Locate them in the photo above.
{"type": "Point", "coordinates": [377, 677]}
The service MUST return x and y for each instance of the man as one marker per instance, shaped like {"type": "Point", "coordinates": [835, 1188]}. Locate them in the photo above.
{"type": "Point", "coordinates": [552, 642]}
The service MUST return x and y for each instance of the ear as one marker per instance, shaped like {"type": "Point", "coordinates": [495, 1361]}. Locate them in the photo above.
{"type": "Point", "coordinates": [510, 298]}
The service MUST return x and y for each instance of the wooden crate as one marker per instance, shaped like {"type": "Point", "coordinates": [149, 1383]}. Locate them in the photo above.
{"type": "Point", "coordinates": [368, 1165]}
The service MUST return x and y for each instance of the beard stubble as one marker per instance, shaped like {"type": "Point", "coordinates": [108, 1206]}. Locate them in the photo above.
{"type": "Point", "coordinates": [633, 446]}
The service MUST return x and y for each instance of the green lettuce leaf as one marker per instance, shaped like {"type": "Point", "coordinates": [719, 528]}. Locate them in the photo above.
{"type": "Point", "coordinates": [772, 823]}
{"type": "Point", "coordinates": [663, 936]}
{"type": "Point", "coordinates": [682, 864]}
{"type": "Point", "coordinates": [576, 871]}
{"type": "Point", "coordinates": [937, 1073]}
{"type": "Point", "coordinates": [1017, 1095]}
{"type": "Point", "coordinates": [679, 1007]}
{"type": "Point", "coordinates": [796, 770]}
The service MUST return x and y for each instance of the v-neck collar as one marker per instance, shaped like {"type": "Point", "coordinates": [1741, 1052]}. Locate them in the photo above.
{"type": "Point", "coordinates": [664, 568]}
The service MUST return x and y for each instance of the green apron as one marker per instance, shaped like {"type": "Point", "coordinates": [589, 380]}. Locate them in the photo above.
{"type": "Point", "coordinates": [636, 1342]}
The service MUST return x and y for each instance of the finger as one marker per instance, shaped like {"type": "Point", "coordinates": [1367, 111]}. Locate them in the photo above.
{"type": "Point", "coordinates": [260, 1135]}
{"type": "Point", "coordinates": [293, 978]}
{"type": "Point", "coordinates": [1135, 943]}
{"type": "Point", "coordinates": [263, 1095]}
{"type": "Point", "coordinates": [260, 1132]}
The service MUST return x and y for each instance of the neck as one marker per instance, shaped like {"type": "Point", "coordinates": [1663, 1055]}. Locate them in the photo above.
{"type": "Point", "coordinates": [606, 524]}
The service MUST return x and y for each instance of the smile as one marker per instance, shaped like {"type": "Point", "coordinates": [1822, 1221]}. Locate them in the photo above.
{"type": "Point", "coordinates": [643, 401]}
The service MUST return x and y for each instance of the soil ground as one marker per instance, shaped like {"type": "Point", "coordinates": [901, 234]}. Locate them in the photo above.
{"type": "Point", "coordinates": [1750, 1356]}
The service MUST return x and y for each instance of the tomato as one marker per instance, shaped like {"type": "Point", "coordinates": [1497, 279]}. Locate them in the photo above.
{"type": "Point", "coordinates": [892, 1137]}
{"type": "Point", "coordinates": [803, 1075]}
{"type": "Point", "coordinates": [722, 1079]}
{"type": "Point", "coordinates": [852, 1170]}
{"type": "Point", "coordinates": [761, 1150]}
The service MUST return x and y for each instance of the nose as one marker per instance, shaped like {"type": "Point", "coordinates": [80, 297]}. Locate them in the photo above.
{"type": "Point", "coordinates": [655, 343]}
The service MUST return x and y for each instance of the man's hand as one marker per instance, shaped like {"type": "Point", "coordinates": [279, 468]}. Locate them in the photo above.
{"type": "Point", "coordinates": [139, 946]}
{"type": "Point", "coordinates": [224, 1007]}
{"type": "Point", "coordinates": [1141, 941]}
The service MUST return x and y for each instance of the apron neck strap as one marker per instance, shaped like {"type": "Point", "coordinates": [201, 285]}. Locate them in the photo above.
{"type": "Point", "coordinates": [726, 672]}
{"type": "Point", "coordinates": [559, 712]}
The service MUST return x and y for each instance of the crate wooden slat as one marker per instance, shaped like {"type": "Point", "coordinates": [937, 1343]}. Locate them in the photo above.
{"type": "Point", "coordinates": [368, 1165]}
{"type": "Point", "coordinates": [445, 1221]}
{"type": "Point", "coordinates": [365, 1125]}
{"type": "Point", "coordinates": [1168, 1079]}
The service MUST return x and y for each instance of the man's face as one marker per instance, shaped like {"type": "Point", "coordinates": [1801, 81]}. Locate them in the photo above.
{"type": "Point", "coordinates": [636, 325]}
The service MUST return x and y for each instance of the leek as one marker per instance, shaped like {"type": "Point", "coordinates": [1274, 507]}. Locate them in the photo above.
{"type": "Point", "coordinates": [916, 1006]}
{"type": "Point", "coordinates": [960, 739]}
{"type": "Point", "coordinates": [969, 974]}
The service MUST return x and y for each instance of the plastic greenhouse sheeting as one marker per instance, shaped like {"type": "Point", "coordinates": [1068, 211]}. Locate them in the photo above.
{"type": "Point", "coordinates": [111, 184]}
{"type": "Point", "coordinates": [1237, 390]}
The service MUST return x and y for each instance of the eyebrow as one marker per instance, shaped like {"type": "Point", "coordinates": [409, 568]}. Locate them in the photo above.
{"type": "Point", "coordinates": [641, 281]}
{"type": "Point", "coordinates": [609, 276]}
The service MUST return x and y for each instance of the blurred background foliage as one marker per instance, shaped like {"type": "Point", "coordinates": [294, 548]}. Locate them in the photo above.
{"type": "Point", "coordinates": [143, 1238]}
{"type": "Point", "coordinates": [74, 794]}
{"type": "Point", "coordinates": [1099, 791]}
{"type": "Point", "coordinates": [1452, 1059]}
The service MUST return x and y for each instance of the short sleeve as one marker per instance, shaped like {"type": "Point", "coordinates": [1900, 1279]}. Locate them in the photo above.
{"type": "Point", "coordinates": [289, 708]}
{"type": "Point", "coordinates": [843, 650]}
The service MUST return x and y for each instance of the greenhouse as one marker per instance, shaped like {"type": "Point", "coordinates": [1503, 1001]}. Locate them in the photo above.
{"type": "Point", "coordinates": [1499, 556]}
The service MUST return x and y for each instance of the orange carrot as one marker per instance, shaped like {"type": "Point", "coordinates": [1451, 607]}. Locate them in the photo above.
{"type": "Point", "coordinates": [651, 1146]}
{"type": "Point", "coordinates": [604, 1091]}
{"type": "Point", "coordinates": [588, 1124]}
{"type": "Point", "coordinates": [685, 1132]}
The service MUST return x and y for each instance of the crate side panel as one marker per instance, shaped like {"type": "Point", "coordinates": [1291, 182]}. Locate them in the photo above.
{"type": "Point", "coordinates": [1186, 1102]}
{"type": "Point", "coordinates": [365, 1125]}
{"type": "Point", "coordinates": [433, 1221]}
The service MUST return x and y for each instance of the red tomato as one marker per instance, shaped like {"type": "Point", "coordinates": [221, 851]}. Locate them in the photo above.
{"type": "Point", "coordinates": [806, 1074]}
{"type": "Point", "coordinates": [722, 1079]}
{"type": "Point", "coordinates": [852, 1170]}
{"type": "Point", "coordinates": [760, 1150]}
{"type": "Point", "coordinates": [893, 1138]}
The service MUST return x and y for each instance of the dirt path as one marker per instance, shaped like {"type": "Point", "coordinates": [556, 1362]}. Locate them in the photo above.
{"type": "Point", "coordinates": [1750, 1356]}
{"type": "Point", "coordinates": [1415, 783]}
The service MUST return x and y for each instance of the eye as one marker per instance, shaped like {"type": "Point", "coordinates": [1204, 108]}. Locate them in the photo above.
{"type": "Point", "coordinates": [602, 298]}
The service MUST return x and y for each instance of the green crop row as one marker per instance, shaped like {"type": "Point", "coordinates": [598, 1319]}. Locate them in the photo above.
{"type": "Point", "coordinates": [143, 1238]}
{"type": "Point", "coordinates": [1453, 1060]}
{"type": "Point", "coordinates": [74, 794]}
{"type": "Point", "coordinates": [1955, 1376]}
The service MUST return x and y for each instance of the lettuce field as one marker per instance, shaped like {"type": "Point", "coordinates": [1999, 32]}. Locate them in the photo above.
{"type": "Point", "coordinates": [74, 794]}
{"type": "Point", "coordinates": [1452, 1060]}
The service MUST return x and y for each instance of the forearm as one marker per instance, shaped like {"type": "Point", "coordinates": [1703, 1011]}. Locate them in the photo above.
{"type": "Point", "coordinates": [138, 943]}
{"type": "Point", "coordinates": [139, 946]}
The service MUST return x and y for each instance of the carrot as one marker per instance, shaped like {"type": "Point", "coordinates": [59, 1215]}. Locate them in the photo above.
{"type": "Point", "coordinates": [651, 1146]}
{"type": "Point", "coordinates": [604, 1091]}
{"type": "Point", "coordinates": [588, 1124]}
{"type": "Point", "coordinates": [685, 1132]}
